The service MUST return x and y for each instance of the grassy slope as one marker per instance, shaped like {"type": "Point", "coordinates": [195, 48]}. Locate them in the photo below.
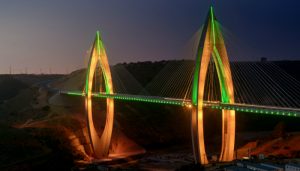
{"type": "Point", "coordinates": [24, 147]}
{"type": "Point", "coordinates": [10, 87]}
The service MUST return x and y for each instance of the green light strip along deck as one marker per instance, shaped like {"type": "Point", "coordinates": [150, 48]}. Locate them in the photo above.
{"type": "Point", "coordinates": [72, 93]}
{"type": "Point", "coordinates": [259, 109]}
{"type": "Point", "coordinates": [138, 98]}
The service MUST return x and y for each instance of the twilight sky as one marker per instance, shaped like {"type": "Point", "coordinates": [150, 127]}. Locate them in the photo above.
{"type": "Point", "coordinates": [43, 34]}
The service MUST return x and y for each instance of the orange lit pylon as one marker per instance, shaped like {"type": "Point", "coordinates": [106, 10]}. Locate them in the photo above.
{"type": "Point", "coordinates": [100, 145]}
{"type": "Point", "coordinates": [212, 45]}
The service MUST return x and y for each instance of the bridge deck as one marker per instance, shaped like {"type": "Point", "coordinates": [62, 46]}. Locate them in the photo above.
{"type": "Point", "coordinates": [260, 109]}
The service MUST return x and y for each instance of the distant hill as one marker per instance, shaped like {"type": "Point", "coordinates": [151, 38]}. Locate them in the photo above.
{"type": "Point", "coordinates": [291, 67]}
{"type": "Point", "coordinates": [31, 79]}
{"type": "Point", "coordinates": [10, 87]}
{"type": "Point", "coordinates": [145, 71]}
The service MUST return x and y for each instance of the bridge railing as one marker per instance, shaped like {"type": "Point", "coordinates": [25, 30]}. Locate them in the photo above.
{"type": "Point", "coordinates": [259, 109]}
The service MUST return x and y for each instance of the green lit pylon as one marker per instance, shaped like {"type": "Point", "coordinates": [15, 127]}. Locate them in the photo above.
{"type": "Point", "coordinates": [212, 44]}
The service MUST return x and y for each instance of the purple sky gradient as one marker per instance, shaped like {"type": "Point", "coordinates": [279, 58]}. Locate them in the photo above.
{"type": "Point", "coordinates": [56, 34]}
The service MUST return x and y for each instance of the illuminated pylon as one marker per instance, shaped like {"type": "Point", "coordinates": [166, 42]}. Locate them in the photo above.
{"type": "Point", "coordinates": [212, 45]}
{"type": "Point", "coordinates": [100, 145]}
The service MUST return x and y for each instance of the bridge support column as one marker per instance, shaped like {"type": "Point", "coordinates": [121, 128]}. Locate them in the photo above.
{"type": "Point", "coordinates": [100, 145]}
{"type": "Point", "coordinates": [212, 45]}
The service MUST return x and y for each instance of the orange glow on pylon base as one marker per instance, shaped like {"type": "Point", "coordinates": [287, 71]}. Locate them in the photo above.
{"type": "Point", "coordinates": [101, 144]}
{"type": "Point", "coordinates": [212, 46]}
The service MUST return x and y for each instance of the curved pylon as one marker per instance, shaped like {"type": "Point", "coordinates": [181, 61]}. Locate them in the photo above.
{"type": "Point", "coordinates": [100, 145]}
{"type": "Point", "coordinates": [212, 45]}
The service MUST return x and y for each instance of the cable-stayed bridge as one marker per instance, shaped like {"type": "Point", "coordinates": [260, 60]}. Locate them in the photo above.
{"type": "Point", "coordinates": [241, 107]}
{"type": "Point", "coordinates": [211, 81]}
